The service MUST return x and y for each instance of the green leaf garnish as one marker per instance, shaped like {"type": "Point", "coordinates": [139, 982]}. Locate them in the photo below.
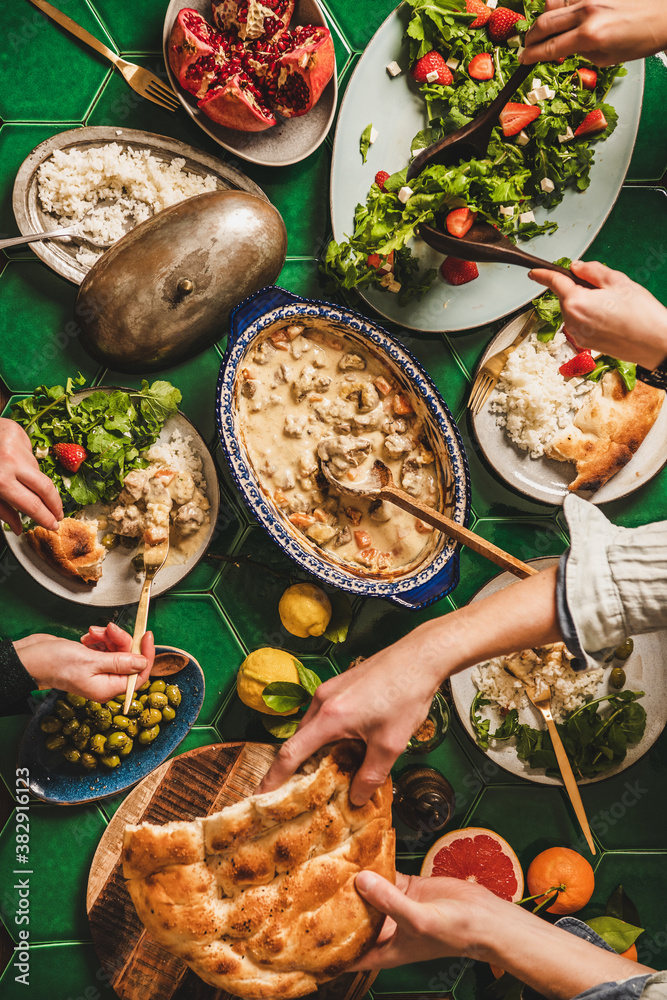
{"type": "Point", "coordinates": [283, 696]}
{"type": "Point", "coordinates": [617, 933]}
{"type": "Point", "coordinates": [309, 679]}
{"type": "Point", "coordinates": [365, 142]}
{"type": "Point", "coordinates": [341, 617]}
{"type": "Point", "coordinates": [282, 729]}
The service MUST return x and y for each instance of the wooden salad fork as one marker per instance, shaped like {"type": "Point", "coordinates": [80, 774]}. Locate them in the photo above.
{"type": "Point", "coordinates": [541, 699]}
{"type": "Point", "coordinates": [142, 81]}
{"type": "Point", "coordinates": [155, 557]}
{"type": "Point", "coordinates": [488, 375]}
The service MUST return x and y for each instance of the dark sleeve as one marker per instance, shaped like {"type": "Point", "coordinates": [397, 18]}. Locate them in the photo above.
{"type": "Point", "coordinates": [657, 378]}
{"type": "Point", "coordinates": [565, 620]}
{"type": "Point", "coordinates": [15, 681]}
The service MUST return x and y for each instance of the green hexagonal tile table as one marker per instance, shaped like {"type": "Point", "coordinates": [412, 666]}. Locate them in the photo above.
{"type": "Point", "coordinates": [228, 605]}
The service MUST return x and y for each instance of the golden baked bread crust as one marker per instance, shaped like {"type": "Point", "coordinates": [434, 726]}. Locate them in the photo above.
{"type": "Point", "coordinates": [259, 899]}
{"type": "Point", "coordinates": [607, 430]}
{"type": "Point", "coordinates": [72, 549]}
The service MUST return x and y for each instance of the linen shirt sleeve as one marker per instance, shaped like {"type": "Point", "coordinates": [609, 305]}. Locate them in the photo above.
{"type": "Point", "coordinates": [612, 584]}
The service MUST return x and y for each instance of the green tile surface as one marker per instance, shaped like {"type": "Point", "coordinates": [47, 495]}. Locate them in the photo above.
{"type": "Point", "coordinates": [228, 605]}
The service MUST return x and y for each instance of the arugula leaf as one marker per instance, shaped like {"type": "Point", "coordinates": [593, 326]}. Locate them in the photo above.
{"type": "Point", "coordinates": [605, 363]}
{"type": "Point", "coordinates": [482, 727]}
{"type": "Point", "coordinates": [283, 696]}
{"type": "Point", "coordinates": [365, 142]}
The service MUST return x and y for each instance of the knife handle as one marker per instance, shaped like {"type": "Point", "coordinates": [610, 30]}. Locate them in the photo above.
{"type": "Point", "coordinates": [75, 29]}
{"type": "Point", "coordinates": [569, 781]}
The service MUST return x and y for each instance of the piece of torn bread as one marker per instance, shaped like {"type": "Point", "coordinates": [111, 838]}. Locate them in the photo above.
{"type": "Point", "coordinates": [72, 549]}
{"type": "Point", "coordinates": [607, 430]}
{"type": "Point", "coordinates": [259, 899]}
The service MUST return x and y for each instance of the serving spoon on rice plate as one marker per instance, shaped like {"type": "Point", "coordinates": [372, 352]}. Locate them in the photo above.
{"type": "Point", "coordinates": [76, 229]}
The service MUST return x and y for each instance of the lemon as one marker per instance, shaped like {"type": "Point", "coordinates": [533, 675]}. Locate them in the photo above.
{"type": "Point", "coordinates": [305, 610]}
{"type": "Point", "coordinates": [262, 667]}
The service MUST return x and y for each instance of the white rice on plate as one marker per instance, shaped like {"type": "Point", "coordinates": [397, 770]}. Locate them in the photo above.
{"type": "Point", "coordinates": [569, 688]}
{"type": "Point", "coordinates": [532, 399]}
{"type": "Point", "coordinates": [138, 185]}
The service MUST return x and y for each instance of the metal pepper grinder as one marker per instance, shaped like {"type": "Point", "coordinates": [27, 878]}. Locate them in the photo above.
{"type": "Point", "coordinates": [423, 799]}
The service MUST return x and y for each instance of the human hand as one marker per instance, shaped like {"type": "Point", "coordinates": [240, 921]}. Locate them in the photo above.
{"type": "Point", "coordinates": [23, 488]}
{"type": "Point", "coordinates": [605, 31]}
{"type": "Point", "coordinates": [96, 668]}
{"type": "Point", "coordinates": [382, 701]}
{"type": "Point", "coordinates": [428, 918]}
{"type": "Point", "coordinates": [619, 317]}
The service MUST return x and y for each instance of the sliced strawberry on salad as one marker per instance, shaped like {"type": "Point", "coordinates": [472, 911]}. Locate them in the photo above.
{"type": "Point", "coordinates": [381, 178]}
{"type": "Point", "coordinates": [71, 456]}
{"type": "Point", "coordinates": [481, 9]}
{"type": "Point", "coordinates": [458, 272]}
{"type": "Point", "coordinates": [481, 67]}
{"type": "Point", "coordinates": [515, 117]}
{"type": "Point", "coordinates": [501, 24]}
{"type": "Point", "coordinates": [594, 121]}
{"type": "Point", "coordinates": [430, 64]}
{"type": "Point", "coordinates": [588, 78]}
{"type": "Point", "coordinates": [581, 364]}
{"type": "Point", "coordinates": [459, 221]}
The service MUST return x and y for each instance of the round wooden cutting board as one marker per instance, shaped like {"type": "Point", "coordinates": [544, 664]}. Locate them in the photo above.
{"type": "Point", "coordinates": [196, 783]}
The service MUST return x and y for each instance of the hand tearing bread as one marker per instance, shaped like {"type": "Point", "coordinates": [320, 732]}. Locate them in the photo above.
{"type": "Point", "coordinates": [72, 549]}
{"type": "Point", "coordinates": [259, 899]}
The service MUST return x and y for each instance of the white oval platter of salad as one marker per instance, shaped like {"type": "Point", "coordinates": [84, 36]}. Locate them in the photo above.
{"type": "Point", "coordinates": [563, 420]}
{"type": "Point", "coordinates": [127, 463]}
{"type": "Point", "coordinates": [605, 727]}
{"type": "Point", "coordinates": [555, 165]}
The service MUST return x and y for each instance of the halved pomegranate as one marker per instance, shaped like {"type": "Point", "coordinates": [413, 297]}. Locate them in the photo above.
{"type": "Point", "coordinates": [297, 68]}
{"type": "Point", "coordinates": [236, 102]}
{"type": "Point", "coordinates": [253, 19]}
{"type": "Point", "coordinates": [191, 39]}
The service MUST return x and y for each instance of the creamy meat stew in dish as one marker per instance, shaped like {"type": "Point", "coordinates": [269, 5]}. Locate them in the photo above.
{"type": "Point", "coordinates": [312, 391]}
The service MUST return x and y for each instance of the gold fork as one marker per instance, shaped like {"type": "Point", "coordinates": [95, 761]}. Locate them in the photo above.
{"type": "Point", "coordinates": [155, 556]}
{"type": "Point", "coordinates": [487, 377]}
{"type": "Point", "coordinates": [541, 699]}
{"type": "Point", "coordinates": [141, 80]}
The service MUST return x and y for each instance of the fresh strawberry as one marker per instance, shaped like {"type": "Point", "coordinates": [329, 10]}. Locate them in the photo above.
{"type": "Point", "coordinates": [459, 221]}
{"type": "Point", "coordinates": [570, 339]}
{"type": "Point", "coordinates": [588, 78]}
{"type": "Point", "coordinates": [581, 364]}
{"type": "Point", "coordinates": [477, 7]}
{"type": "Point", "coordinates": [594, 121]}
{"type": "Point", "coordinates": [458, 272]}
{"type": "Point", "coordinates": [481, 67]}
{"type": "Point", "coordinates": [381, 264]}
{"type": "Point", "coordinates": [515, 117]}
{"type": "Point", "coordinates": [70, 456]}
{"type": "Point", "coordinates": [501, 24]}
{"type": "Point", "coordinates": [432, 62]}
{"type": "Point", "coordinates": [381, 178]}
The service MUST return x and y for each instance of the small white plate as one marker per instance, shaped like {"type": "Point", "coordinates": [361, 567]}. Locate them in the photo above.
{"type": "Point", "coordinates": [644, 671]}
{"type": "Point", "coordinates": [543, 478]}
{"type": "Point", "coordinates": [119, 584]}
{"type": "Point", "coordinates": [292, 139]}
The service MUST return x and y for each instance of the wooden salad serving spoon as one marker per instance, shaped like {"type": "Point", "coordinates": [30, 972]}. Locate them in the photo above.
{"type": "Point", "coordinates": [379, 485]}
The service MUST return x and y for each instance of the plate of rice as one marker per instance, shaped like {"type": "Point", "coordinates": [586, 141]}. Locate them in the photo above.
{"type": "Point", "coordinates": [124, 176]}
{"type": "Point", "coordinates": [120, 523]}
{"type": "Point", "coordinates": [570, 690]}
{"type": "Point", "coordinates": [530, 405]}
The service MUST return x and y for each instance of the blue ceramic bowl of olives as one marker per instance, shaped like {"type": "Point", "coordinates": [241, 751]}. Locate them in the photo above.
{"type": "Point", "coordinates": [54, 779]}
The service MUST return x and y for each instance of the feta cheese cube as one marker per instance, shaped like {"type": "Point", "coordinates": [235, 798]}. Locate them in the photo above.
{"type": "Point", "coordinates": [373, 136]}
{"type": "Point", "coordinates": [522, 139]}
{"type": "Point", "coordinates": [532, 97]}
{"type": "Point", "coordinates": [432, 76]}
{"type": "Point", "coordinates": [514, 41]}
{"type": "Point", "coordinates": [507, 210]}
{"type": "Point", "coordinates": [41, 452]}
{"type": "Point", "coordinates": [394, 69]}
{"type": "Point", "coordinates": [526, 217]}
{"type": "Point", "coordinates": [542, 93]}
{"type": "Point", "coordinates": [550, 94]}
{"type": "Point", "coordinates": [492, 3]}
{"type": "Point", "coordinates": [568, 135]}
{"type": "Point", "coordinates": [453, 64]}
{"type": "Point", "coordinates": [519, 51]}
{"type": "Point", "coordinates": [547, 185]}
{"type": "Point", "coordinates": [404, 194]}
{"type": "Point", "coordinates": [536, 83]}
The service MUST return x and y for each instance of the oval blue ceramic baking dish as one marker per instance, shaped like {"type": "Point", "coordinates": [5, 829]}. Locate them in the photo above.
{"type": "Point", "coordinates": [438, 574]}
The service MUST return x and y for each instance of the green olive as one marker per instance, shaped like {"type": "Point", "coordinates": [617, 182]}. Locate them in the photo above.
{"type": "Point", "coordinates": [70, 727]}
{"type": "Point", "coordinates": [147, 736]}
{"type": "Point", "coordinates": [109, 541]}
{"type": "Point", "coordinates": [114, 706]}
{"type": "Point", "coordinates": [625, 650]}
{"type": "Point", "coordinates": [168, 714]}
{"type": "Point", "coordinates": [127, 749]}
{"type": "Point", "coordinates": [157, 700]}
{"type": "Point", "coordinates": [76, 700]}
{"type": "Point", "coordinates": [81, 736]}
{"type": "Point", "coordinates": [63, 710]}
{"type": "Point", "coordinates": [617, 678]}
{"type": "Point", "coordinates": [143, 700]}
{"type": "Point", "coordinates": [150, 718]}
{"type": "Point", "coordinates": [133, 727]}
{"type": "Point", "coordinates": [136, 708]}
{"type": "Point", "coordinates": [117, 740]}
{"type": "Point", "coordinates": [102, 720]}
{"type": "Point", "coordinates": [55, 742]}
{"type": "Point", "coordinates": [71, 755]}
{"type": "Point", "coordinates": [129, 543]}
{"type": "Point", "coordinates": [98, 743]}
{"type": "Point", "coordinates": [173, 693]}
{"type": "Point", "coordinates": [144, 687]}
{"type": "Point", "coordinates": [138, 561]}
{"type": "Point", "coordinates": [157, 687]}
{"type": "Point", "coordinates": [120, 722]}
{"type": "Point", "coordinates": [50, 724]}
{"type": "Point", "coordinates": [88, 761]}
{"type": "Point", "coordinates": [111, 760]}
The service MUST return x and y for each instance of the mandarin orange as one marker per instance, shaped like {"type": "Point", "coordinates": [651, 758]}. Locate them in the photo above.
{"type": "Point", "coordinates": [560, 866]}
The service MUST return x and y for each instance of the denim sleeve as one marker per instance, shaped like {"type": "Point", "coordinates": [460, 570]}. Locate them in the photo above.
{"type": "Point", "coordinates": [15, 681]}
{"type": "Point", "coordinates": [628, 989]}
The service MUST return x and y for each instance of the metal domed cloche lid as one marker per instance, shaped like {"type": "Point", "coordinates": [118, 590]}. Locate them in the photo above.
{"type": "Point", "coordinates": [164, 291]}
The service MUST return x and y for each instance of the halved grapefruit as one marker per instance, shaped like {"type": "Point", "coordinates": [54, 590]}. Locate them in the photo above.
{"type": "Point", "coordinates": [477, 855]}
